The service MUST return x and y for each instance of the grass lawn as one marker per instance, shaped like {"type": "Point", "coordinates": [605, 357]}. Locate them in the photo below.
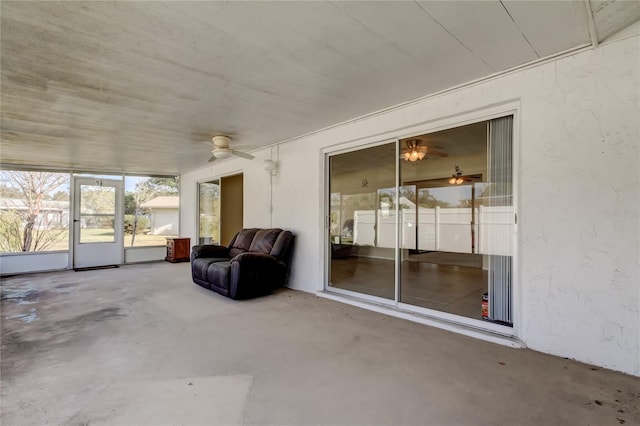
{"type": "Point", "coordinates": [106, 235]}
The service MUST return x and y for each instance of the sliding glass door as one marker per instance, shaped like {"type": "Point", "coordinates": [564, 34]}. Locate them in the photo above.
{"type": "Point", "coordinates": [209, 212]}
{"type": "Point", "coordinates": [362, 221]}
{"type": "Point", "coordinates": [428, 222]}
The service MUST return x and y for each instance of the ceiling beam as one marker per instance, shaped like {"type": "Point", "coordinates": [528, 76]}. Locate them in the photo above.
{"type": "Point", "coordinates": [591, 24]}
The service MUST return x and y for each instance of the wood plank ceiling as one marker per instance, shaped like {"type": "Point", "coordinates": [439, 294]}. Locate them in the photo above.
{"type": "Point", "coordinates": [136, 87]}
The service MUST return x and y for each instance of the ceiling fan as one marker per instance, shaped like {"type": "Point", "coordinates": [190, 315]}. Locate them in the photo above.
{"type": "Point", "coordinates": [222, 150]}
{"type": "Point", "coordinates": [415, 151]}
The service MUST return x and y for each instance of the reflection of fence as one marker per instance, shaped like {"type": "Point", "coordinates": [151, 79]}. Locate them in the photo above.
{"type": "Point", "coordinates": [364, 225]}
{"type": "Point", "coordinates": [446, 229]}
{"type": "Point", "coordinates": [486, 230]}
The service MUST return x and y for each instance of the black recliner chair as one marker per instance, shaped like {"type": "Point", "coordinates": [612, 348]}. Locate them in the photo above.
{"type": "Point", "coordinates": [255, 263]}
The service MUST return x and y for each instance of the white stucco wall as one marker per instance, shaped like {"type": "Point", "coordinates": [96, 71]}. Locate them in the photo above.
{"type": "Point", "coordinates": [578, 183]}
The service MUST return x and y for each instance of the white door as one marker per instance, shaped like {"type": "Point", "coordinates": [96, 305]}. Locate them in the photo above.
{"type": "Point", "coordinates": [98, 228]}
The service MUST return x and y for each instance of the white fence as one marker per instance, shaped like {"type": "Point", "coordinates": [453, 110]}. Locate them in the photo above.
{"type": "Point", "coordinates": [439, 229]}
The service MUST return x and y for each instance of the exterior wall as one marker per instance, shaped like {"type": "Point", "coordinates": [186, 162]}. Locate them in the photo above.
{"type": "Point", "coordinates": [578, 229]}
{"type": "Point", "coordinates": [164, 221]}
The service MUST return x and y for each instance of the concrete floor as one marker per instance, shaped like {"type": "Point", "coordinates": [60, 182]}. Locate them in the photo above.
{"type": "Point", "coordinates": [141, 344]}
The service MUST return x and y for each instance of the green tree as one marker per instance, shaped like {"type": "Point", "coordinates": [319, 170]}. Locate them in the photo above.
{"type": "Point", "coordinates": [10, 231]}
{"type": "Point", "coordinates": [60, 196]}
{"type": "Point", "coordinates": [160, 186]}
{"type": "Point", "coordinates": [209, 211]}
{"type": "Point", "coordinates": [7, 191]}
{"type": "Point", "coordinates": [129, 203]}
{"type": "Point", "coordinates": [426, 199]}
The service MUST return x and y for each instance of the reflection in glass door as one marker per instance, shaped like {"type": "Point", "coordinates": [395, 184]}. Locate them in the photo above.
{"type": "Point", "coordinates": [460, 261]}
{"type": "Point", "coordinates": [448, 218]}
{"type": "Point", "coordinates": [362, 221]}
{"type": "Point", "coordinates": [209, 212]}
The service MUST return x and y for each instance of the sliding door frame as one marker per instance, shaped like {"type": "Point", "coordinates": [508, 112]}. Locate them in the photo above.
{"type": "Point", "coordinates": [445, 123]}
{"type": "Point", "coordinates": [327, 225]}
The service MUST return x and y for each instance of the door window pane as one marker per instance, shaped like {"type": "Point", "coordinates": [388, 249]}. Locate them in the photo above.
{"type": "Point", "coordinates": [362, 217]}
{"type": "Point", "coordinates": [97, 214]}
{"type": "Point", "coordinates": [209, 212]}
{"type": "Point", "coordinates": [463, 238]}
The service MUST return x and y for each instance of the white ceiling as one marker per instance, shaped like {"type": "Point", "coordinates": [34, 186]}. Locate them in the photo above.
{"type": "Point", "coordinates": [135, 87]}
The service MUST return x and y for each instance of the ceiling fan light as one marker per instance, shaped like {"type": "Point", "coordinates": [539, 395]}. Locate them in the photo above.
{"type": "Point", "coordinates": [452, 180]}
{"type": "Point", "coordinates": [459, 181]}
{"type": "Point", "coordinates": [421, 155]}
{"type": "Point", "coordinates": [222, 153]}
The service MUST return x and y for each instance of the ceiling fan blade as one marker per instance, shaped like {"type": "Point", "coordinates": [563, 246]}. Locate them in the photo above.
{"type": "Point", "coordinates": [245, 147]}
{"type": "Point", "coordinates": [438, 153]}
{"type": "Point", "coordinates": [242, 154]}
{"type": "Point", "coordinates": [212, 159]}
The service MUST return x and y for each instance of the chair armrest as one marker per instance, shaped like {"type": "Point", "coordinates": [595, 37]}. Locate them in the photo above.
{"type": "Point", "coordinates": [256, 261]}
{"type": "Point", "coordinates": [254, 274]}
{"type": "Point", "coordinates": [209, 250]}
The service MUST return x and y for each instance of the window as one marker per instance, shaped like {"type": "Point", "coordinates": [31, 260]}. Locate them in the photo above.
{"type": "Point", "coordinates": [34, 211]}
{"type": "Point", "coordinates": [151, 210]}
{"type": "Point", "coordinates": [362, 256]}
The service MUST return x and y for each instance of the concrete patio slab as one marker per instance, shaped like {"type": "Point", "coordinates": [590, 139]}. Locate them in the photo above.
{"type": "Point", "coordinates": [120, 346]}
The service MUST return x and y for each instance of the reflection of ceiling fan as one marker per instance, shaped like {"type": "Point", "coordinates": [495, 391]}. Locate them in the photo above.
{"type": "Point", "coordinates": [221, 149]}
{"type": "Point", "coordinates": [415, 151]}
{"type": "Point", "coordinates": [457, 178]}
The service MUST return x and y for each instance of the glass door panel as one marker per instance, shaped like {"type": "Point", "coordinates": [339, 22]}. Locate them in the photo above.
{"type": "Point", "coordinates": [362, 221]}
{"type": "Point", "coordinates": [97, 214]}
{"type": "Point", "coordinates": [447, 269]}
{"type": "Point", "coordinates": [209, 212]}
{"type": "Point", "coordinates": [449, 220]}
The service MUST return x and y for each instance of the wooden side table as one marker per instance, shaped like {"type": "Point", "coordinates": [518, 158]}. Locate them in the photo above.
{"type": "Point", "coordinates": [178, 249]}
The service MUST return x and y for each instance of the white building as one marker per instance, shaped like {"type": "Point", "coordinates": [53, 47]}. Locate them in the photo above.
{"type": "Point", "coordinates": [163, 214]}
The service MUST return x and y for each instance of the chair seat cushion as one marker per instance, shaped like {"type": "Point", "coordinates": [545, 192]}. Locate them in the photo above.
{"type": "Point", "coordinates": [200, 266]}
{"type": "Point", "coordinates": [218, 274]}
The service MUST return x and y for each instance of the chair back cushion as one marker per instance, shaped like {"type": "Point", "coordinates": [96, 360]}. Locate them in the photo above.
{"type": "Point", "coordinates": [274, 241]}
{"type": "Point", "coordinates": [242, 241]}
{"type": "Point", "coordinates": [283, 246]}
{"type": "Point", "coordinates": [263, 240]}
